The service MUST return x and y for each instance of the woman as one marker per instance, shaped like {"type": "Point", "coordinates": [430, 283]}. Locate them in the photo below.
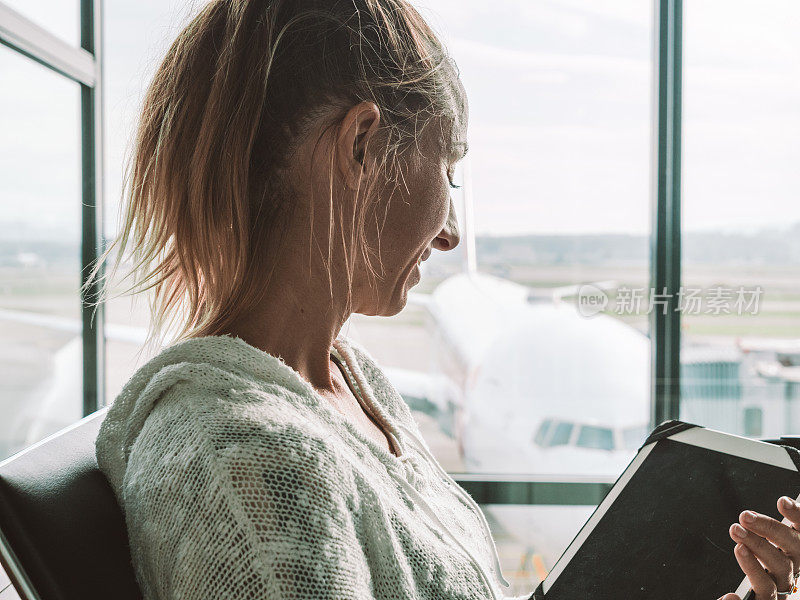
{"type": "Point", "coordinates": [265, 454]}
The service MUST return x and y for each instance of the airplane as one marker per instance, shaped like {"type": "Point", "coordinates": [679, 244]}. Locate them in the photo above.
{"type": "Point", "coordinates": [566, 394]}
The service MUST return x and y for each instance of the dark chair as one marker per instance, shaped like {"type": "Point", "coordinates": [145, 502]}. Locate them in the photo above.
{"type": "Point", "coordinates": [62, 533]}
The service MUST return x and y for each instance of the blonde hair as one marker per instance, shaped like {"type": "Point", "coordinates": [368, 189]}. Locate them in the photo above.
{"type": "Point", "coordinates": [206, 186]}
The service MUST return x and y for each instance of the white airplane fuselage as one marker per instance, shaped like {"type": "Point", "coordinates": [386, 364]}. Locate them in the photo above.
{"type": "Point", "coordinates": [547, 392]}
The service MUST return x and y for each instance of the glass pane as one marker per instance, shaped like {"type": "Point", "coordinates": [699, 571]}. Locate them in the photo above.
{"type": "Point", "coordinates": [530, 539]}
{"type": "Point", "coordinates": [59, 17]}
{"type": "Point", "coordinates": [558, 178]}
{"type": "Point", "coordinates": [634, 437]}
{"type": "Point", "coordinates": [40, 216]}
{"type": "Point", "coordinates": [137, 35]}
{"type": "Point", "coordinates": [600, 438]}
{"type": "Point", "coordinates": [543, 332]}
{"type": "Point", "coordinates": [541, 434]}
{"type": "Point", "coordinates": [561, 434]}
{"type": "Point", "coordinates": [741, 217]}
{"type": "Point", "coordinates": [7, 591]}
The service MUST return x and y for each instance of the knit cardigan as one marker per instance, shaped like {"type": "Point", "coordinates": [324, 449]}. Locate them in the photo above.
{"type": "Point", "coordinates": [239, 482]}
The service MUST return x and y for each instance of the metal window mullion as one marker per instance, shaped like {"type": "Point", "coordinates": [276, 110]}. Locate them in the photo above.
{"type": "Point", "coordinates": [491, 489]}
{"type": "Point", "coordinates": [26, 37]}
{"type": "Point", "coordinates": [91, 214]}
{"type": "Point", "coordinates": [665, 250]}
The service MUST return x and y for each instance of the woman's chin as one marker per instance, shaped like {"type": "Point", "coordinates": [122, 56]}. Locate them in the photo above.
{"type": "Point", "coordinates": [400, 300]}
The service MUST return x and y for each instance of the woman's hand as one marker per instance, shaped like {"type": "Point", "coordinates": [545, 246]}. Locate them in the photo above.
{"type": "Point", "coordinates": [768, 551]}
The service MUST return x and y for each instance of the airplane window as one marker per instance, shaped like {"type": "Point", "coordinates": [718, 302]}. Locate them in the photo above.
{"type": "Point", "coordinates": [753, 421]}
{"type": "Point", "coordinates": [633, 437]}
{"type": "Point", "coordinates": [561, 434]}
{"type": "Point", "coordinates": [596, 437]}
{"type": "Point", "coordinates": [541, 434]}
{"type": "Point", "coordinates": [420, 404]}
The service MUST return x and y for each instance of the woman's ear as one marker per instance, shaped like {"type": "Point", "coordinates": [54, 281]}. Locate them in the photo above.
{"type": "Point", "coordinates": [358, 149]}
{"type": "Point", "coordinates": [357, 130]}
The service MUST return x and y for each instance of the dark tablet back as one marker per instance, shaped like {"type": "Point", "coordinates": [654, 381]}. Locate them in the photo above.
{"type": "Point", "coordinates": [662, 531]}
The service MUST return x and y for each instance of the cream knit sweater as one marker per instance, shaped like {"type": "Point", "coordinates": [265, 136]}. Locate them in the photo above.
{"type": "Point", "coordinates": [239, 482]}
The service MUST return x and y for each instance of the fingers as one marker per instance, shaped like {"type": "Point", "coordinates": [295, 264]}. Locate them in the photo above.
{"type": "Point", "coordinates": [791, 510]}
{"type": "Point", "coordinates": [729, 597]}
{"type": "Point", "coordinates": [768, 551]}
{"type": "Point", "coordinates": [777, 563]}
{"type": "Point", "coordinates": [763, 585]}
{"type": "Point", "coordinates": [783, 536]}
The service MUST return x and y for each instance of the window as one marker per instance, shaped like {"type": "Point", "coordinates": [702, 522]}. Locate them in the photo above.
{"type": "Point", "coordinates": [555, 219]}
{"type": "Point", "coordinates": [556, 192]}
{"type": "Point", "coordinates": [561, 435]}
{"type": "Point", "coordinates": [541, 433]}
{"type": "Point", "coordinates": [40, 217]}
{"type": "Point", "coordinates": [595, 437]}
{"type": "Point", "coordinates": [753, 417]}
{"type": "Point", "coordinates": [60, 17]}
{"type": "Point", "coordinates": [137, 37]}
{"type": "Point", "coordinates": [741, 217]}
{"type": "Point", "coordinates": [634, 437]}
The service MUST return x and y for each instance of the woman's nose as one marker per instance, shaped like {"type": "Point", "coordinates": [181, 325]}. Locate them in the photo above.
{"type": "Point", "coordinates": [449, 237]}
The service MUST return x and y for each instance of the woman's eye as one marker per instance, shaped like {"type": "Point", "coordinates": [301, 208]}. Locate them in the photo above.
{"type": "Point", "coordinates": [450, 181]}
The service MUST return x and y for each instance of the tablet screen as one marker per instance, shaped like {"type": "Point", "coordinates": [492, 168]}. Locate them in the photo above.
{"type": "Point", "coordinates": [665, 536]}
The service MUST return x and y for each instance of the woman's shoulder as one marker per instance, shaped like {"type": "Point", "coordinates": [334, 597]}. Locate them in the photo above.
{"type": "Point", "coordinates": [195, 434]}
{"type": "Point", "coordinates": [255, 418]}
{"type": "Point", "coordinates": [211, 483]}
{"type": "Point", "coordinates": [224, 424]}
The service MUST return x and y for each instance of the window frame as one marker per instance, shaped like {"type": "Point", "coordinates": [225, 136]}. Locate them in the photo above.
{"type": "Point", "coordinates": [83, 65]}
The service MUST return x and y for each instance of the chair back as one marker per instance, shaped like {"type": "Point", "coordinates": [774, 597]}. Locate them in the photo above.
{"type": "Point", "coordinates": [62, 533]}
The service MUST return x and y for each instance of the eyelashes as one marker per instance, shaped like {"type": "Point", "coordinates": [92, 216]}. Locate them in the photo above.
{"type": "Point", "coordinates": [450, 181]}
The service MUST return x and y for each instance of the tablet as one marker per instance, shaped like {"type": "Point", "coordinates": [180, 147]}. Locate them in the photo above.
{"type": "Point", "coordinates": [662, 530]}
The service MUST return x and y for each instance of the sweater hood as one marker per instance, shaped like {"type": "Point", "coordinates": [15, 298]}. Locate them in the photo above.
{"type": "Point", "coordinates": [220, 360]}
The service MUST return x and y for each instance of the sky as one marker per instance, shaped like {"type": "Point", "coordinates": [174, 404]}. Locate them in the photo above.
{"type": "Point", "coordinates": [560, 96]}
